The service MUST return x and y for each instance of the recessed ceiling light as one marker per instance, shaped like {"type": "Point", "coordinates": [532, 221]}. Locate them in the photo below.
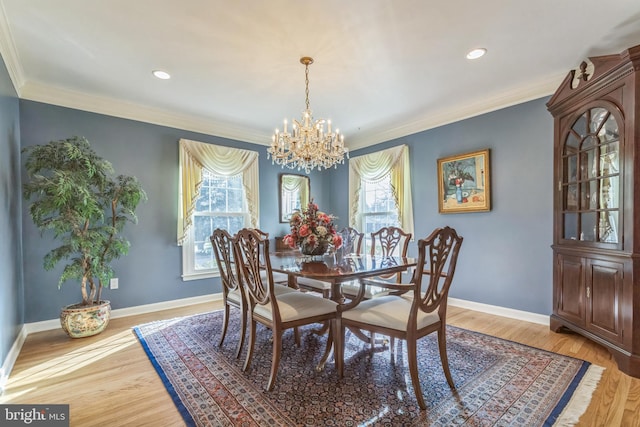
{"type": "Point", "coordinates": [162, 74]}
{"type": "Point", "coordinates": [476, 53]}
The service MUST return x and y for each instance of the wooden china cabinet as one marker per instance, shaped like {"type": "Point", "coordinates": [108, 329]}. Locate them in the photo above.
{"type": "Point", "coordinates": [596, 233]}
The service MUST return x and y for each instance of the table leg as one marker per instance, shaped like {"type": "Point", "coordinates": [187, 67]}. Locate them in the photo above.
{"type": "Point", "coordinates": [327, 352]}
{"type": "Point", "coordinates": [336, 292]}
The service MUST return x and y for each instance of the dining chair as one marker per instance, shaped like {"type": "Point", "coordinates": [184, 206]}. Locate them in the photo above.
{"type": "Point", "coordinates": [387, 241]}
{"type": "Point", "coordinates": [277, 312]}
{"type": "Point", "coordinates": [408, 313]}
{"type": "Point", "coordinates": [232, 293]}
{"type": "Point", "coordinates": [280, 280]}
{"type": "Point", "coordinates": [351, 244]}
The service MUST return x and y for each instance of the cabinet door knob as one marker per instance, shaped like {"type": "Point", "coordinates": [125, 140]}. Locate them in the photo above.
{"type": "Point", "coordinates": [588, 292]}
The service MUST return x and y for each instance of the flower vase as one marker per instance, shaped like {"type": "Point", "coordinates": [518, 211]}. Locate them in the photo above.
{"type": "Point", "coordinates": [459, 194]}
{"type": "Point", "coordinates": [318, 250]}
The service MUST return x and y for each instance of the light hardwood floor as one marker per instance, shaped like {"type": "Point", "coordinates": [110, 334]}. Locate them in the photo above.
{"type": "Point", "coordinates": [109, 381]}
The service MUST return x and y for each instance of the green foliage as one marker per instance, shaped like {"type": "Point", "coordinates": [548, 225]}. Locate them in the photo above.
{"type": "Point", "coordinates": [75, 196]}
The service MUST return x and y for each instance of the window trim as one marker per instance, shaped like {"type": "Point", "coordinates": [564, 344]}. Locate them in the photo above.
{"type": "Point", "coordinates": [221, 161]}
{"type": "Point", "coordinates": [189, 272]}
{"type": "Point", "coordinates": [394, 161]}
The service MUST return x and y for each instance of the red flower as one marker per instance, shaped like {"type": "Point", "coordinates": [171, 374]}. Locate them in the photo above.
{"type": "Point", "coordinates": [289, 241]}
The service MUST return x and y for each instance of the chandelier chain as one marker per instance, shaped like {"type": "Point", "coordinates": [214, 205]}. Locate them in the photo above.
{"type": "Point", "coordinates": [308, 145]}
{"type": "Point", "coordinates": [306, 84]}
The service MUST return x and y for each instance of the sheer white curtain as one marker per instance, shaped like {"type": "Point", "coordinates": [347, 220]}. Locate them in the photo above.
{"type": "Point", "coordinates": [225, 161]}
{"type": "Point", "coordinates": [393, 162]}
{"type": "Point", "coordinates": [292, 184]}
{"type": "Point", "coordinates": [297, 185]}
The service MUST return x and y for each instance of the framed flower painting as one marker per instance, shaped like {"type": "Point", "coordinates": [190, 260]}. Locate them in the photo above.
{"type": "Point", "coordinates": [463, 183]}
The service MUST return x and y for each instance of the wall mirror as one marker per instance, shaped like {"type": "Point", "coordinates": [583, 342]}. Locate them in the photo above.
{"type": "Point", "coordinates": [294, 194]}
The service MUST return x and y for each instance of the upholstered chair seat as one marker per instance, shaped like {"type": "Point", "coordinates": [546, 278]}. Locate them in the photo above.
{"type": "Point", "coordinates": [296, 305]}
{"type": "Point", "coordinates": [389, 311]}
{"type": "Point", "coordinates": [277, 277]}
{"type": "Point", "coordinates": [350, 290]}
{"type": "Point", "coordinates": [315, 285]}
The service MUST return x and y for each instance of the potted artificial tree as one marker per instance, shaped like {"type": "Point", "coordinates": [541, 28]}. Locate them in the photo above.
{"type": "Point", "coordinates": [75, 195]}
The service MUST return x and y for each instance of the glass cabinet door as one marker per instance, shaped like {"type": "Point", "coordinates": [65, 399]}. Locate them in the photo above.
{"type": "Point", "coordinates": [590, 181]}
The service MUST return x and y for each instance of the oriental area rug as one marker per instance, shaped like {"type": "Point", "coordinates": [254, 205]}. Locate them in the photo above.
{"type": "Point", "coordinates": [498, 382]}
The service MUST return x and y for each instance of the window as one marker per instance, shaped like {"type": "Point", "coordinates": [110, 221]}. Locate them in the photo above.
{"type": "Point", "coordinates": [219, 205]}
{"type": "Point", "coordinates": [380, 191]}
{"type": "Point", "coordinates": [378, 208]}
{"type": "Point", "coordinates": [219, 189]}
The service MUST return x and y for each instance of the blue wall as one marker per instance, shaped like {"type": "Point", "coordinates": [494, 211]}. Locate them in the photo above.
{"type": "Point", "coordinates": [11, 288]}
{"type": "Point", "coordinates": [151, 271]}
{"type": "Point", "coordinates": [505, 259]}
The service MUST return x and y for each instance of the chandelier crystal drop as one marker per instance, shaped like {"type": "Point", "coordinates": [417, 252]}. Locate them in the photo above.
{"type": "Point", "coordinates": [309, 145]}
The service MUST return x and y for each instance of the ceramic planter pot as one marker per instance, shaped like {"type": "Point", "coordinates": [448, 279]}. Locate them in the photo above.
{"type": "Point", "coordinates": [80, 321]}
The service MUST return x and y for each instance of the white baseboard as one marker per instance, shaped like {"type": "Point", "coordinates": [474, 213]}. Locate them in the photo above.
{"type": "Point", "coordinates": [11, 358]}
{"type": "Point", "coordinates": [47, 325]}
{"type": "Point", "coordinates": [501, 311]}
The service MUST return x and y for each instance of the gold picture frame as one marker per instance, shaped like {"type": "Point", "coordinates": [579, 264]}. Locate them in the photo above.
{"type": "Point", "coordinates": [464, 183]}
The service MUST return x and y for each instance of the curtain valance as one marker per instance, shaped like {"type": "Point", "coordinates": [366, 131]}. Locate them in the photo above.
{"type": "Point", "coordinates": [226, 161]}
{"type": "Point", "coordinates": [373, 167]}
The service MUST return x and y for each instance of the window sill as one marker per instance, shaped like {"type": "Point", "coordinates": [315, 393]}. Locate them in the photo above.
{"type": "Point", "coordinates": [198, 276]}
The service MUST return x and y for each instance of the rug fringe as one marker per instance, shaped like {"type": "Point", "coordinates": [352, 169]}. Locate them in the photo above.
{"type": "Point", "coordinates": [581, 398]}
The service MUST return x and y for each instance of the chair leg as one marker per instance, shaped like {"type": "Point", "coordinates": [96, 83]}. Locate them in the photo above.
{"type": "Point", "coordinates": [225, 322]}
{"type": "Point", "coordinates": [296, 336]}
{"type": "Point", "coordinates": [442, 346]}
{"type": "Point", "coordinates": [327, 349]}
{"type": "Point", "coordinates": [252, 338]}
{"type": "Point", "coordinates": [412, 357]}
{"type": "Point", "coordinates": [338, 345]}
{"type": "Point", "coordinates": [243, 326]}
{"type": "Point", "coordinates": [275, 358]}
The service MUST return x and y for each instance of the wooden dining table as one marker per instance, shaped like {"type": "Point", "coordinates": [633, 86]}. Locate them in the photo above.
{"type": "Point", "coordinates": [337, 268]}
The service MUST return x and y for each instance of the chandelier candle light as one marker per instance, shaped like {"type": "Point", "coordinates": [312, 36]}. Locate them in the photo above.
{"type": "Point", "coordinates": [308, 146]}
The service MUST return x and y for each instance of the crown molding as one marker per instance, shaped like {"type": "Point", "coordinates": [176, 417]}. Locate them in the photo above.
{"type": "Point", "coordinates": [10, 53]}
{"type": "Point", "coordinates": [458, 113]}
{"type": "Point", "coordinates": [117, 108]}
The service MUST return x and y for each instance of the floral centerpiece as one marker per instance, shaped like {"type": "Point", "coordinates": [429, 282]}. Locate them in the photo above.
{"type": "Point", "coordinates": [312, 231]}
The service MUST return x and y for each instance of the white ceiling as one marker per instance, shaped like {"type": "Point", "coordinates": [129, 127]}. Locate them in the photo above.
{"type": "Point", "coordinates": [383, 68]}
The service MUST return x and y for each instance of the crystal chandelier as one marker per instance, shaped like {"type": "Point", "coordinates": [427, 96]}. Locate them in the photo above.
{"type": "Point", "coordinates": [308, 145]}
